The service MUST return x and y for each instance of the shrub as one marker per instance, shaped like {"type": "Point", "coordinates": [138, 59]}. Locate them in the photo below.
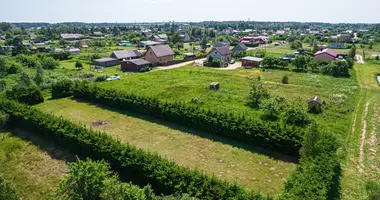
{"type": "Point", "coordinates": [373, 190]}
{"type": "Point", "coordinates": [86, 75]}
{"type": "Point", "coordinates": [271, 108]}
{"type": "Point", "coordinates": [295, 115]}
{"type": "Point", "coordinates": [3, 120]}
{"type": "Point", "coordinates": [63, 55]}
{"type": "Point", "coordinates": [296, 44]}
{"type": "Point", "coordinates": [7, 191]}
{"type": "Point", "coordinates": [257, 94]}
{"type": "Point", "coordinates": [145, 69]}
{"type": "Point", "coordinates": [78, 65]}
{"type": "Point", "coordinates": [101, 78]}
{"type": "Point", "coordinates": [336, 69]}
{"type": "Point", "coordinates": [30, 95]}
{"type": "Point", "coordinates": [49, 63]}
{"type": "Point", "coordinates": [27, 61]}
{"type": "Point", "coordinates": [63, 88]}
{"type": "Point", "coordinates": [216, 63]}
{"type": "Point", "coordinates": [142, 167]}
{"type": "Point", "coordinates": [285, 80]}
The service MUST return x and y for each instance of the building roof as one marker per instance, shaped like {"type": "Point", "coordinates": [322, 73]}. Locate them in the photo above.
{"type": "Point", "coordinates": [327, 51]}
{"type": "Point", "coordinates": [242, 46]}
{"type": "Point", "coordinates": [189, 54]}
{"type": "Point", "coordinates": [139, 62]}
{"type": "Point", "coordinates": [71, 36]}
{"type": "Point", "coordinates": [126, 54]}
{"type": "Point", "coordinates": [220, 44]}
{"type": "Point", "coordinates": [250, 58]}
{"type": "Point", "coordinates": [162, 50]}
{"type": "Point", "coordinates": [105, 60]}
{"type": "Point", "coordinates": [98, 33]}
{"type": "Point", "coordinates": [149, 43]}
{"type": "Point", "coordinates": [73, 50]}
{"type": "Point", "coordinates": [161, 36]}
{"type": "Point", "coordinates": [223, 50]}
{"type": "Point", "coordinates": [316, 99]}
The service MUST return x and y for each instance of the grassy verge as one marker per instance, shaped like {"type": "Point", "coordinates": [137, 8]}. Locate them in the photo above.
{"type": "Point", "coordinates": [34, 173]}
{"type": "Point", "coordinates": [230, 161]}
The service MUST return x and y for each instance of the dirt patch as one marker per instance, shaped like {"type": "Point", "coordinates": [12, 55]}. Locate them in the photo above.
{"type": "Point", "coordinates": [362, 139]}
{"type": "Point", "coordinates": [99, 123]}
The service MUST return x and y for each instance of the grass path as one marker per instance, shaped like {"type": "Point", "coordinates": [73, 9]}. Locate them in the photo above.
{"type": "Point", "coordinates": [34, 172]}
{"type": "Point", "coordinates": [226, 160]}
{"type": "Point", "coordinates": [363, 139]}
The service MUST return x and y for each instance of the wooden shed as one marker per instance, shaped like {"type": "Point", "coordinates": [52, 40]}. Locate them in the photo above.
{"type": "Point", "coordinates": [315, 104]}
{"type": "Point", "coordinates": [134, 65]}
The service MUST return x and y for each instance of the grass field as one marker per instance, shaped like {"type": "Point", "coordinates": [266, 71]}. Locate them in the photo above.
{"type": "Point", "coordinates": [33, 171]}
{"type": "Point", "coordinates": [363, 162]}
{"type": "Point", "coordinates": [225, 159]}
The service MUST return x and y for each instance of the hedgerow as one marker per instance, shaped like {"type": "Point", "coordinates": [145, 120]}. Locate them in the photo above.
{"type": "Point", "coordinates": [273, 135]}
{"type": "Point", "coordinates": [139, 166]}
{"type": "Point", "coordinates": [7, 191]}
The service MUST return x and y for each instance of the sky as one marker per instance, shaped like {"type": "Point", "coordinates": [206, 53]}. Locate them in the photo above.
{"type": "Point", "coordinates": [53, 11]}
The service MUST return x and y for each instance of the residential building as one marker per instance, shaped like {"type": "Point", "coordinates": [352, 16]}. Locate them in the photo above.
{"type": "Point", "coordinates": [185, 37]}
{"type": "Point", "coordinates": [125, 55]}
{"type": "Point", "coordinates": [147, 44]}
{"type": "Point", "coordinates": [159, 55]}
{"type": "Point", "coordinates": [134, 65]}
{"type": "Point", "coordinates": [223, 54]}
{"type": "Point", "coordinates": [251, 41]}
{"type": "Point", "coordinates": [240, 47]}
{"type": "Point", "coordinates": [221, 44]}
{"type": "Point", "coordinates": [66, 36]}
{"type": "Point", "coordinates": [73, 50]}
{"type": "Point", "coordinates": [326, 55]}
{"type": "Point", "coordinates": [160, 37]}
{"type": "Point", "coordinates": [250, 62]}
{"type": "Point", "coordinates": [98, 33]}
{"type": "Point", "coordinates": [105, 62]}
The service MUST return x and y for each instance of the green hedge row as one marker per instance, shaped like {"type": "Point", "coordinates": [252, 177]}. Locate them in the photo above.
{"type": "Point", "coordinates": [272, 135]}
{"type": "Point", "coordinates": [133, 164]}
{"type": "Point", "coordinates": [7, 191]}
{"type": "Point", "coordinates": [317, 175]}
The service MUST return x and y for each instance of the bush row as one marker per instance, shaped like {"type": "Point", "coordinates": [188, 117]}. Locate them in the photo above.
{"type": "Point", "coordinates": [317, 175]}
{"type": "Point", "coordinates": [7, 191]}
{"type": "Point", "coordinates": [273, 135]}
{"type": "Point", "coordinates": [133, 164]}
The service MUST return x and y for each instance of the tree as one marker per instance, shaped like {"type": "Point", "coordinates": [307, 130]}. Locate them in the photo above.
{"type": "Point", "coordinates": [257, 94]}
{"type": "Point", "coordinates": [295, 115]}
{"type": "Point", "coordinates": [39, 77]}
{"type": "Point", "coordinates": [24, 79]}
{"type": "Point", "coordinates": [269, 61]}
{"type": "Point", "coordinates": [30, 95]}
{"type": "Point", "coordinates": [352, 52]}
{"type": "Point", "coordinates": [370, 45]}
{"type": "Point", "coordinates": [3, 85]}
{"type": "Point", "coordinates": [309, 144]}
{"type": "Point", "coordinates": [270, 107]}
{"type": "Point", "coordinates": [300, 62]}
{"type": "Point", "coordinates": [78, 65]}
{"type": "Point", "coordinates": [63, 43]}
{"type": "Point", "coordinates": [285, 80]}
{"type": "Point", "coordinates": [204, 42]}
{"type": "Point", "coordinates": [49, 63]}
{"type": "Point", "coordinates": [296, 44]}
{"type": "Point", "coordinates": [315, 48]}
{"type": "Point", "coordinates": [313, 65]}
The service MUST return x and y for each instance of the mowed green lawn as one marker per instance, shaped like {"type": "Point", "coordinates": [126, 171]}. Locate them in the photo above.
{"type": "Point", "coordinates": [190, 85]}
{"type": "Point", "coordinates": [33, 172]}
{"type": "Point", "coordinates": [226, 160]}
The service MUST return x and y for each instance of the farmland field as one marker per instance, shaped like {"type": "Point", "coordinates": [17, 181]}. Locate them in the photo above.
{"type": "Point", "coordinates": [34, 172]}
{"type": "Point", "coordinates": [227, 160]}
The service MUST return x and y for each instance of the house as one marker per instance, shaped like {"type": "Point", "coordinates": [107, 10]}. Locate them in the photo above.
{"type": "Point", "coordinates": [125, 55]}
{"type": "Point", "coordinates": [251, 41]}
{"type": "Point", "coordinates": [134, 65]}
{"type": "Point", "coordinates": [185, 37]}
{"type": "Point", "coordinates": [159, 55]}
{"type": "Point", "coordinates": [160, 37]}
{"type": "Point", "coordinates": [240, 47]}
{"type": "Point", "coordinates": [315, 104]}
{"type": "Point", "coordinates": [83, 44]}
{"type": "Point", "coordinates": [280, 32]}
{"type": "Point", "coordinates": [250, 62]}
{"type": "Point", "coordinates": [73, 50]}
{"type": "Point", "coordinates": [147, 44]}
{"type": "Point", "coordinates": [222, 54]}
{"type": "Point", "coordinates": [326, 55]}
{"type": "Point", "coordinates": [221, 44]}
{"type": "Point", "coordinates": [66, 36]}
{"type": "Point", "coordinates": [98, 33]}
{"type": "Point", "coordinates": [147, 33]}
{"type": "Point", "coordinates": [105, 62]}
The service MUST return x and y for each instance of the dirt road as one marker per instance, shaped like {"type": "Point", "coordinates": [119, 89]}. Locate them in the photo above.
{"type": "Point", "coordinates": [180, 65]}
{"type": "Point", "coordinates": [236, 65]}
{"type": "Point", "coordinates": [359, 59]}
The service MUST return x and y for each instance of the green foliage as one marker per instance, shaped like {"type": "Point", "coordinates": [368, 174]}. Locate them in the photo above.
{"type": "Point", "coordinates": [27, 61]}
{"type": "Point", "coordinates": [270, 61]}
{"type": "Point", "coordinates": [25, 80]}
{"type": "Point", "coordinates": [86, 75]}
{"type": "Point", "coordinates": [295, 115]}
{"type": "Point", "coordinates": [39, 77]}
{"type": "Point", "coordinates": [336, 69]}
{"type": "Point", "coordinates": [101, 78]}
{"type": "Point", "coordinates": [49, 63]}
{"type": "Point", "coordinates": [3, 85]}
{"type": "Point", "coordinates": [216, 63]}
{"type": "Point", "coordinates": [78, 65]}
{"type": "Point", "coordinates": [204, 42]}
{"type": "Point", "coordinates": [30, 95]}
{"type": "Point", "coordinates": [285, 80]}
{"type": "Point", "coordinates": [7, 191]}
{"type": "Point", "coordinates": [315, 48]}
{"type": "Point", "coordinates": [301, 62]}
{"type": "Point", "coordinates": [63, 88]}
{"type": "Point", "coordinates": [141, 166]}
{"type": "Point", "coordinates": [3, 120]}
{"type": "Point", "coordinates": [63, 55]}
{"type": "Point", "coordinates": [373, 190]}
{"type": "Point", "coordinates": [352, 52]}
{"type": "Point", "coordinates": [271, 108]}
{"type": "Point", "coordinates": [296, 44]}
{"type": "Point", "coordinates": [257, 94]}
{"type": "Point", "coordinates": [145, 69]}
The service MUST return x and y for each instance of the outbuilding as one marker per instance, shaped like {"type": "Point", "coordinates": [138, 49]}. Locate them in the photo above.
{"type": "Point", "coordinates": [315, 104]}
{"type": "Point", "coordinates": [105, 62]}
{"type": "Point", "coordinates": [326, 55]}
{"type": "Point", "coordinates": [134, 65]}
{"type": "Point", "coordinates": [249, 62]}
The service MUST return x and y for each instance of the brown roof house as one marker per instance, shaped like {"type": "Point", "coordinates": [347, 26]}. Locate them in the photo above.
{"type": "Point", "coordinates": [126, 55]}
{"type": "Point", "coordinates": [159, 55]}
{"type": "Point", "coordinates": [222, 54]}
{"type": "Point", "coordinates": [134, 65]}
{"type": "Point", "coordinates": [249, 62]}
{"type": "Point", "coordinates": [326, 55]}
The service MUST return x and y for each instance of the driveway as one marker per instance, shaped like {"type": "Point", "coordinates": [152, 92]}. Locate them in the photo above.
{"type": "Point", "coordinates": [236, 65]}
{"type": "Point", "coordinates": [359, 59]}
{"type": "Point", "coordinates": [181, 64]}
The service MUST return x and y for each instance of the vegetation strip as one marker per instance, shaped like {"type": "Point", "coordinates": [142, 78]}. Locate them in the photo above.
{"type": "Point", "coordinates": [362, 139]}
{"type": "Point", "coordinates": [137, 165]}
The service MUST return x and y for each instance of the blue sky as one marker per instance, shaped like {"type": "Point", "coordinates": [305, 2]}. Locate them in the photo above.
{"type": "Point", "coordinates": [335, 11]}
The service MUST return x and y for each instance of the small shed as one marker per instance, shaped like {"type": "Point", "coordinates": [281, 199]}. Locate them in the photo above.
{"type": "Point", "coordinates": [315, 104]}
{"type": "Point", "coordinates": [250, 62]}
{"type": "Point", "coordinates": [214, 86]}
{"type": "Point", "coordinates": [105, 62]}
{"type": "Point", "coordinates": [134, 65]}
{"type": "Point", "coordinates": [189, 55]}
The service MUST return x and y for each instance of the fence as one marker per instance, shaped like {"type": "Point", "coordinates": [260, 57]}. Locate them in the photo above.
{"type": "Point", "coordinates": [174, 62]}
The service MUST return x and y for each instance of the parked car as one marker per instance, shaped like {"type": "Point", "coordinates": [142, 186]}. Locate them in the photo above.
{"type": "Point", "coordinates": [113, 78]}
{"type": "Point", "coordinates": [232, 62]}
